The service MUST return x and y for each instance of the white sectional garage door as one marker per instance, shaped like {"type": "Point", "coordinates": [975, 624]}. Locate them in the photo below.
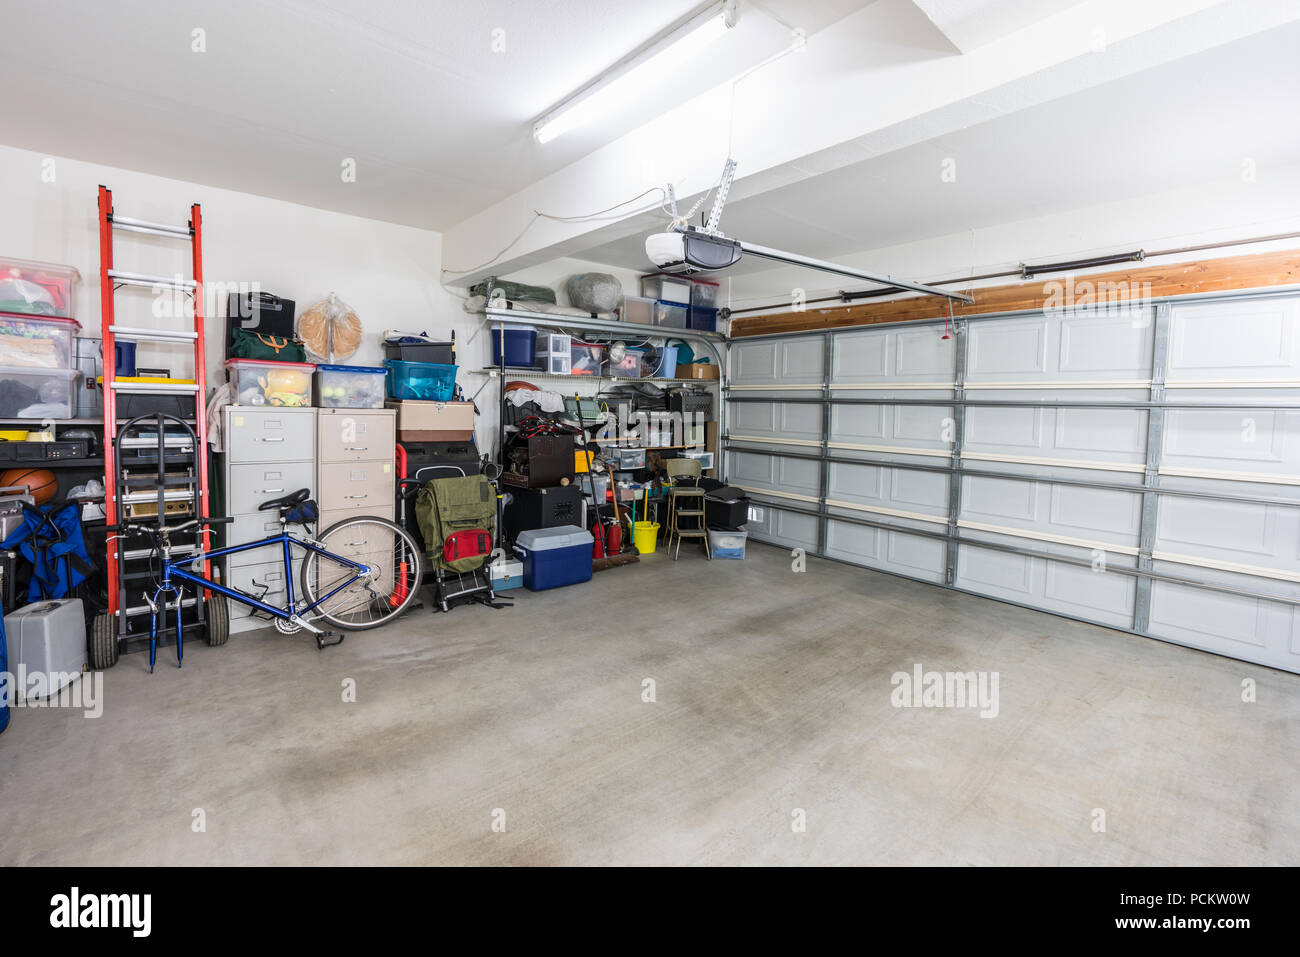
{"type": "Point", "coordinates": [1061, 442]}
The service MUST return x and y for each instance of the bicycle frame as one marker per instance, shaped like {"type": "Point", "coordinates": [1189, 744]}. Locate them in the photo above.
{"type": "Point", "coordinates": [174, 570]}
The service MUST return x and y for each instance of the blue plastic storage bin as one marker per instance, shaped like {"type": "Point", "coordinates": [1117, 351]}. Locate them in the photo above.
{"type": "Point", "coordinates": [428, 381]}
{"type": "Point", "coordinates": [667, 363]}
{"type": "Point", "coordinates": [554, 557]}
{"type": "Point", "coordinates": [123, 357]}
{"type": "Point", "coordinates": [520, 343]}
{"type": "Point", "coordinates": [703, 318]}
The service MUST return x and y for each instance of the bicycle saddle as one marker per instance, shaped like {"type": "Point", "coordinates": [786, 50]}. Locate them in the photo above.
{"type": "Point", "coordinates": [286, 501]}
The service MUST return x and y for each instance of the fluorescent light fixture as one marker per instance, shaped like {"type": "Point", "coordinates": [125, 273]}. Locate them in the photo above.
{"type": "Point", "coordinates": [676, 47]}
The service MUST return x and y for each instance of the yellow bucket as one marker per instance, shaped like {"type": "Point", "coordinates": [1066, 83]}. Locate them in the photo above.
{"type": "Point", "coordinates": [644, 536]}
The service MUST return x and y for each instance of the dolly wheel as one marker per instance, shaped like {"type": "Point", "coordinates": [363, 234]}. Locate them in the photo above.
{"type": "Point", "coordinates": [103, 641]}
{"type": "Point", "coordinates": [218, 619]}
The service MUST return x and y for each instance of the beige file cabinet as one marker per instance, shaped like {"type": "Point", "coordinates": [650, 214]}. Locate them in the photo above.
{"type": "Point", "coordinates": [270, 452]}
{"type": "Point", "coordinates": [355, 472]}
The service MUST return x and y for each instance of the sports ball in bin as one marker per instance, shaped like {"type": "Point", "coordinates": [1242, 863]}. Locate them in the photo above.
{"type": "Point", "coordinates": [41, 484]}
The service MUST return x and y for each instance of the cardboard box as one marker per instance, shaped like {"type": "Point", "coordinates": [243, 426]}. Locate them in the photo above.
{"type": "Point", "coordinates": [433, 421]}
{"type": "Point", "coordinates": [697, 370]}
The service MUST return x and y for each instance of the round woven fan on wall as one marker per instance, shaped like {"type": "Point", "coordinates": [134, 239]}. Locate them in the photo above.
{"type": "Point", "coordinates": [330, 329]}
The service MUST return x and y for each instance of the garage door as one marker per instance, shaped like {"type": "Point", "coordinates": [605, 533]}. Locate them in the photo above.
{"type": "Point", "coordinates": [1135, 467]}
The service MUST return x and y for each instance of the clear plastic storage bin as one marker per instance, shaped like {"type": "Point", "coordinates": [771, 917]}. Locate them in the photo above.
{"type": "Point", "coordinates": [588, 357]}
{"type": "Point", "coordinates": [264, 382]}
{"type": "Point", "coordinates": [727, 544]}
{"type": "Point", "coordinates": [350, 387]}
{"type": "Point", "coordinates": [553, 353]}
{"type": "Point", "coordinates": [638, 309]}
{"type": "Point", "coordinates": [629, 367]}
{"type": "Point", "coordinates": [667, 287]}
{"type": "Point", "coordinates": [705, 292]}
{"type": "Point", "coordinates": [37, 289]}
{"type": "Point", "coordinates": [38, 393]}
{"type": "Point", "coordinates": [27, 342]}
{"type": "Point", "coordinates": [671, 314]}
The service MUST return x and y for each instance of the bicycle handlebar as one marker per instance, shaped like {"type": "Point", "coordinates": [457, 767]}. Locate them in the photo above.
{"type": "Point", "coordinates": [169, 529]}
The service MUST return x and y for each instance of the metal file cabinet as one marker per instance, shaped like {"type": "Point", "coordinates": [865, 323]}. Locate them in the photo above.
{"type": "Point", "coordinates": [355, 474]}
{"type": "Point", "coordinates": [270, 452]}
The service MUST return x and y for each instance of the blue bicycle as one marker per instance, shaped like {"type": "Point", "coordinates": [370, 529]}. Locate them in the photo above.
{"type": "Point", "coordinates": [358, 574]}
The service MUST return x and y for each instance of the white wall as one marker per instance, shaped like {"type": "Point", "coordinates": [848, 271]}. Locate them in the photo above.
{"type": "Point", "coordinates": [388, 274]}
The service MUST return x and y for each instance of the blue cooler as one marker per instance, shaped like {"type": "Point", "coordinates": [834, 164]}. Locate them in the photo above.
{"type": "Point", "coordinates": [554, 557]}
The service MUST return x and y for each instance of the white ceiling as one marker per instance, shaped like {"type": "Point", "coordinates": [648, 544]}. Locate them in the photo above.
{"type": "Point", "coordinates": [439, 125]}
{"type": "Point", "coordinates": [1192, 121]}
{"type": "Point", "coordinates": [972, 23]}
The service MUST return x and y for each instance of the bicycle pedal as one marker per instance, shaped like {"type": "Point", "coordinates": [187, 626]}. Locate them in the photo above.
{"type": "Point", "coordinates": [322, 644]}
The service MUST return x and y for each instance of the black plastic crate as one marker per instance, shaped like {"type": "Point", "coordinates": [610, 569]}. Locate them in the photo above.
{"type": "Point", "coordinates": [443, 352]}
{"type": "Point", "coordinates": [690, 403]}
{"type": "Point", "coordinates": [726, 515]}
{"type": "Point", "coordinates": [133, 404]}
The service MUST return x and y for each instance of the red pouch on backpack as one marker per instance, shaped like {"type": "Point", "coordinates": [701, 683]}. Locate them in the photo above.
{"type": "Point", "coordinates": [467, 544]}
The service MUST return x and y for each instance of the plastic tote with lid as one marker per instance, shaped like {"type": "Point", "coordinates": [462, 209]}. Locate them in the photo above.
{"type": "Point", "coordinates": [554, 557]}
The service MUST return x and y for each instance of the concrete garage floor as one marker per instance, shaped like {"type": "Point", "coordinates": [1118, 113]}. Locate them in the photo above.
{"type": "Point", "coordinates": [773, 694]}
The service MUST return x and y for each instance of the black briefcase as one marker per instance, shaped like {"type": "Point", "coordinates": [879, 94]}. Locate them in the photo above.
{"type": "Point", "coordinates": [262, 312]}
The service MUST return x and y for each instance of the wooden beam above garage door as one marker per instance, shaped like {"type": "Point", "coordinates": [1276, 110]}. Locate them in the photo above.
{"type": "Point", "coordinates": [1148, 282]}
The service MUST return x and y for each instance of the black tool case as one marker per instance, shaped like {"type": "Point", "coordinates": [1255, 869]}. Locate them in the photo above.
{"type": "Point", "coordinates": [531, 508]}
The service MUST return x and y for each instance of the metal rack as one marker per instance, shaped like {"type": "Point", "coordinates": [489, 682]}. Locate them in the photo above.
{"type": "Point", "coordinates": [497, 318]}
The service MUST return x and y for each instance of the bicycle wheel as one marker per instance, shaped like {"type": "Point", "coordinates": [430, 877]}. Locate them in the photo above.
{"type": "Point", "coordinates": [395, 572]}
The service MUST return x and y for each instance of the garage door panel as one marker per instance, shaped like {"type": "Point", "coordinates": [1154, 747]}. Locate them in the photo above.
{"type": "Point", "coordinates": [858, 423]}
{"type": "Point", "coordinates": [1234, 339]}
{"type": "Point", "coordinates": [994, 499]}
{"type": "Point", "coordinates": [1004, 430]}
{"type": "Point", "coordinates": [922, 423]}
{"type": "Point", "coordinates": [1201, 524]}
{"type": "Point", "coordinates": [796, 360]}
{"type": "Point", "coordinates": [1105, 596]}
{"type": "Point", "coordinates": [753, 362]}
{"type": "Point", "coordinates": [1101, 430]}
{"type": "Point", "coordinates": [1002, 572]}
{"type": "Point", "coordinates": [926, 489]}
{"type": "Point", "coordinates": [798, 421]}
{"type": "Point", "coordinates": [1100, 595]}
{"type": "Point", "coordinates": [919, 556]}
{"type": "Point", "coordinates": [747, 468]}
{"type": "Point", "coordinates": [860, 357]}
{"type": "Point", "coordinates": [1082, 509]}
{"type": "Point", "coordinates": [1007, 346]}
{"type": "Point", "coordinates": [798, 475]}
{"type": "Point", "coordinates": [863, 484]}
{"type": "Point", "coordinates": [754, 418]}
{"type": "Point", "coordinates": [1118, 347]}
{"type": "Point", "coordinates": [923, 355]}
{"type": "Point", "coordinates": [853, 543]}
{"type": "Point", "coordinates": [1250, 435]}
{"type": "Point", "coordinates": [1203, 617]}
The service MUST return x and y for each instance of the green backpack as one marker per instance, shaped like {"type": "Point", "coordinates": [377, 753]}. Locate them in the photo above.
{"type": "Point", "coordinates": [446, 506]}
{"type": "Point", "coordinates": [258, 345]}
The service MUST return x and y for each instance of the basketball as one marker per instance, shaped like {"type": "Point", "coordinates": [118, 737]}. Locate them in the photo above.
{"type": "Point", "coordinates": [40, 483]}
